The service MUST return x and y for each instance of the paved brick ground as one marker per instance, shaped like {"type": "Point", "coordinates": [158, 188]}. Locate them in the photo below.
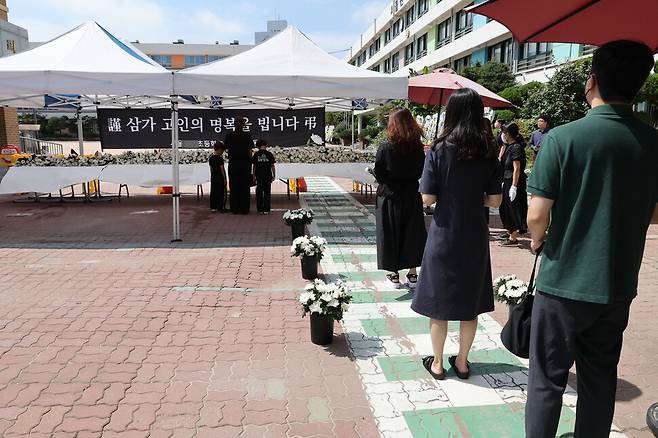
{"type": "Point", "coordinates": [107, 329]}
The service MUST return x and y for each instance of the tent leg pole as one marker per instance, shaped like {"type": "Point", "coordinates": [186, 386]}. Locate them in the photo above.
{"type": "Point", "coordinates": [175, 169]}
{"type": "Point", "coordinates": [352, 129]}
{"type": "Point", "coordinates": [81, 140]}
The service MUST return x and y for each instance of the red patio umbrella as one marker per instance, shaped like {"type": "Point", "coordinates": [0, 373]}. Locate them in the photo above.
{"type": "Point", "coordinates": [576, 21]}
{"type": "Point", "coordinates": [437, 87]}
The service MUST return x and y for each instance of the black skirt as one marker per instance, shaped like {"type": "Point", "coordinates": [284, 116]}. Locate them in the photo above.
{"type": "Point", "coordinates": [513, 213]}
{"type": "Point", "coordinates": [401, 233]}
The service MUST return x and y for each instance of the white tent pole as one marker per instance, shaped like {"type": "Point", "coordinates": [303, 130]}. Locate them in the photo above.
{"type": "Point", "coordinates": [175, 170]}
{"type": "Point", "coordinates": [81, 141]}
{"type": "Point", "coordinates": [352, 117]}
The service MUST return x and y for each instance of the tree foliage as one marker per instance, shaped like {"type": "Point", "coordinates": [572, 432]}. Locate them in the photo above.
{"type": "Point", "coordinates": [563, 97]}
{"type": "Point", "coordinates": [492, 75]}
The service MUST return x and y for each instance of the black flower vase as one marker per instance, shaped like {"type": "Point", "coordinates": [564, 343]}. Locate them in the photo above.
{"type": "Point", "coordinates": [309, 267]}
{"type": "Point", "coordinates": [298, 229]}
{"type": "Point", "coordinates": [322, 329]}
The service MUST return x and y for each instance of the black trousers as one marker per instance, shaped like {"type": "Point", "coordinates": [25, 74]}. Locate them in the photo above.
{"type": "Point", "coordinates": [217, 193]}
{"type": "Point", "coordinates": [564, 331]}
{"type": "Point", "coordinates": [240, 184]}
{"type": "Point", "coordinates": [264, 195]}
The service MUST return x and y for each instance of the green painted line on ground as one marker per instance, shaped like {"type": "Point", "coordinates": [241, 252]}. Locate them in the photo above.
{"type": "Point", "coordinates": [494, 421]}
{"type": "Point", "coordinates": [362, 275]}
{"type": "Point", "coordinates": [409, 325]}
{"type": "Point", "coordinates": [362, 258]}
{"type": "Point", "coordinates": [495, 361]}
{"type": "Point", "coordinates": [382, 297]}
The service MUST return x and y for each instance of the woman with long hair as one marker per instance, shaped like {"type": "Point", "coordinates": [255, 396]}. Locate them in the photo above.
{"type": "Point", "coordinates": [239, 145]}
{"type": "Point", "coordinates": [399, 215]}
{"type": "Point", "coordinates": [514, 209]}
{"type": "Point", "coordinates": [461, 175]}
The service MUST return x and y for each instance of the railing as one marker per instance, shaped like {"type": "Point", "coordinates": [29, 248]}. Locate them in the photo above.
{"type": "Point", "coordinates": [461, 32]}
{"type": "Point", "coordinates": [409, 60]}
{"type": "Point", "coordinates": [541, 60]}
{"type": "Point", "coordinates": [443, 42]}
{"type": "Point", "coordinates": [40, 147]}
{"type": "Point", "coordinates": [588, 49]}
{"type": "Point", "coordinates": [421, 54]}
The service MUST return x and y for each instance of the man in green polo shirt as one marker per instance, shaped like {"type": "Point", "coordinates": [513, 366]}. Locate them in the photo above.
{"type": "Point", "coordinates": [596, 183]}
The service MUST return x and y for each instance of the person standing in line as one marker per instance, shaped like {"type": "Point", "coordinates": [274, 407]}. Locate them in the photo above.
{"type": "Point", "coordinates": [265, 173]}
{"type": "Point", "coordinates": [217, 179]}
{"type": "Point", "coordinates": [239, 145]}
{"type": "Point", "coordinates": [461, 175]}
{"type": "Point", "coordinates": [400, 221]}
{"type": "Point", "coordinates": [514, 208]}
{"type": "Point", "coordinates": [596, 184]}
{"type": "Point", "coordinates": [538, 135]}
{"type": "Point", "coordinates": [499, 124]}
{"type": "Point", "coordinates": [489, 130]}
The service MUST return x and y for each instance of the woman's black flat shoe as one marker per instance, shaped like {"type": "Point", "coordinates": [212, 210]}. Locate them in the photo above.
{"type": "Point", "coordinates": [452, 360]}
{"type": "Point", "coordinates": [427, 363]}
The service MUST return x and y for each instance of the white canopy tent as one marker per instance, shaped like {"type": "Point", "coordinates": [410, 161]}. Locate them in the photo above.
{"type": "Point", "coordinates": [289, 65]}
{"type": "Point", "coordinates": [92, 64]}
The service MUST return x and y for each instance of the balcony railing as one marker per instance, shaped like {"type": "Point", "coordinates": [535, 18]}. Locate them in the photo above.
{"type": "Point", "coordinates": [443, 42]}
{"type": "Point", "coordinates": [461, 32]}
{"type": "Point", "coordinates": [540, 60]}
{"type": "Point", "coordinates": [421, 54]}
{"type": "Point", "coordinates": [409, 60]}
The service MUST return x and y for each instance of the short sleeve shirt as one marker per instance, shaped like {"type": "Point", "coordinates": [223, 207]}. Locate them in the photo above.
{"type": "Point", "coordinates": [263, 161]}
{"type": "Point", "coordinates": [602, 173]}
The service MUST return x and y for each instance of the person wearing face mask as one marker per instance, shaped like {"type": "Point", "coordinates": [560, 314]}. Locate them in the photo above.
{"type": "Point", "coordinates": [515, 200]}
{"type": "Point", "coordinates": [596, 184]}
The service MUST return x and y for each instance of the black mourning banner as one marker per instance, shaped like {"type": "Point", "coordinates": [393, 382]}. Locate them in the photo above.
{"type": "Point", "coordinates": [202, 128]}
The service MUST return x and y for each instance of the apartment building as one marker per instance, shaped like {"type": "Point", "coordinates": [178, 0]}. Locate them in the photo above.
{"type": "Point", "coordinates": [414, 34]}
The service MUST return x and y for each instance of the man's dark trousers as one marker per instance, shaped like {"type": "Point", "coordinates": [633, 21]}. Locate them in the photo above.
{"type": "Point", "coordinates": [564, 331]}
{"type": "Point", "coordinates": [263, 194]}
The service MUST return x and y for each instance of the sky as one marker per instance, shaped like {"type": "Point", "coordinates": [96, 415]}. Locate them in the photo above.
{"type": "Point", "coordinates": [332, 24]}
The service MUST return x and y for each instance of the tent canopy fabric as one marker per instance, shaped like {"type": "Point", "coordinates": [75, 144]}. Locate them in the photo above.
{"type": "Point", "coordinates": [85, 60]}
{"type": "Point", "coordinates": [437, 87]}
{"type": "Point", "coordinates": [291, 65]}
{"type": "Point", "coordinates": [576, 21]}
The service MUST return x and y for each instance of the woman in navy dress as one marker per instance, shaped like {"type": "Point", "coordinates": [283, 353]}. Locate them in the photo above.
{"type": "Point", "coordinates": [461, 175]}
{"type": "Point", "coordinates": [399, 215]}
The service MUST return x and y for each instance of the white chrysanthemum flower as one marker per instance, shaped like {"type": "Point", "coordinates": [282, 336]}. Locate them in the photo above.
{"type": "Point", "coordinates": [333, 303]}
{"type": "Point", "coordinates": [315, 307]}
{"type": "Point", "coordinates": [305, 297]}
{"type": "Point", "coordinates": [326, 297]}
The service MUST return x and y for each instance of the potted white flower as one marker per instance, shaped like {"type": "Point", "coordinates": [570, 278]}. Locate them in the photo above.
{"type": "Point", "coordinates": [311, 250]}
{"type": "Point", "coordinates": [326, 303]}
{"type": "Point", "coordinates": [509, 289]}
{"type": "Point", "coordinates": [297, 221]}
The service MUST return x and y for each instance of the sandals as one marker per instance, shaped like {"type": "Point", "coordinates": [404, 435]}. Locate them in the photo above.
{"type": "Point", "coordinates": [452, 360]}
{"type": "Point", "coordinates": [412, 280]}
{"type": "Point", "coordinates": [427, 363]}
{"type": "Point", "coordinates": [394, 279]}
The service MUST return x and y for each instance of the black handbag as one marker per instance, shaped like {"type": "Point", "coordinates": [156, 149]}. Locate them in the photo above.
{"type": "Point", "coordinates": [516, 332]}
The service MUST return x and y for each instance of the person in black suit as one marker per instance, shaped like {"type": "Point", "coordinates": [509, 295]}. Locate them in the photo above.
{"type": "Point", "coordinates": [239, 145]}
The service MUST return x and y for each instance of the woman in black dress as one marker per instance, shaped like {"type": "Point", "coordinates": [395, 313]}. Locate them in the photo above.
{"type": "Point", "coordinates": [399, 215]}
{"type": "Point", "coordinates": [217, 179]}
{"type": "Point", "coordinates": [514, 209]}
{"type": "Point", "coordinates": [239, 145]}
{"type": "Point", "coordinates": [461, 175]}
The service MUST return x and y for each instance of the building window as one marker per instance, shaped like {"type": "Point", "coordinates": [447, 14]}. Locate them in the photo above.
{"type": "Point", "coordinates": [501, 52]}
{"type": "Point", "coordinates": [463, 23]}
{"type": "Point", "coordinates": [375, 68]}
{"type": "Point", "coordinates": [461, 63]}
{"type": "Point", "coordinates": [163, 60]}
{"type": "Point", "coordinates": [409, 54]}
{"type": "Point", "coordinates": [371, 49]}
{"type": "Point", "coordinates": [395, 62]}
{"type": "Point", "coordinates": [212, 58]}
{"type": "Point", "coordinates": [374, 47]}
{"type": "Point", "coordinates": [192, 60]}
{"type": "Point", "coordinates": [387, 36]}
{"type": "Point", "coordinates": [411, 15]}
{"type": "Point", "coordinates": [422, 6]}
{"type": "Point", "coordinates": [421, 46]}
{"type": "Point", "coordinates": [11, 46]}
{"type": "Point", "coordinates": [443, 33]}
{"type": "Point", "coordinates": [533, 55]}
{"type": "Point", "coordinates": [378, 44]}
{"type": "Point", "coordinates": [398, 27]}
{"type": "Point", "coordinates": [387, 65]}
